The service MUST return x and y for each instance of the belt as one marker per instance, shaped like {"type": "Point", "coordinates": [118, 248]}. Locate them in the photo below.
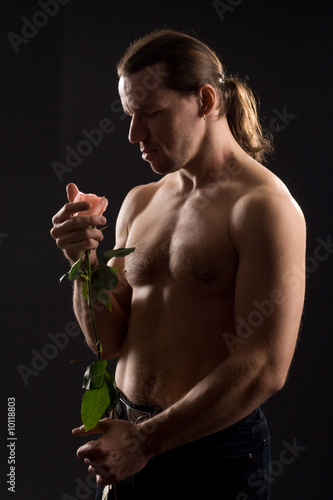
{"type": "Point", "coordinates": [134, 413]}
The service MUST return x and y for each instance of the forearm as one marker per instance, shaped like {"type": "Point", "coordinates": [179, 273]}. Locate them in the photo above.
{"type": "Point", "coordinates": [111, 326]}
{"type": "Point", "coordinates": [229, 393]}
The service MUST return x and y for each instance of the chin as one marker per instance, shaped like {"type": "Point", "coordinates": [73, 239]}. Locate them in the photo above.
{"type": "Point", "coordinates": [163, 168]}
{"type": "Point", "coordinates": [166, 165]}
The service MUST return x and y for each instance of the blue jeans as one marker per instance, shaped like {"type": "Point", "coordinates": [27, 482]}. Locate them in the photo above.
{"type": "Point", "coordinates": [232, 464]}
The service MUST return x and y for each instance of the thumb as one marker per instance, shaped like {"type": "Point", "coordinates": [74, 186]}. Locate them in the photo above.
{"type": "Point", "coordinates": [101, 428]}
{"type": "Point", "coordinates": [72, 191]}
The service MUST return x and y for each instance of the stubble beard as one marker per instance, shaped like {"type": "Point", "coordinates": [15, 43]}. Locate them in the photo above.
{"type": "Point", "coordinates": [181, 159]}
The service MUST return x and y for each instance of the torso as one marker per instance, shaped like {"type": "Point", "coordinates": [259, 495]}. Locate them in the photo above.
{"type": "Point", "coordinates": [183, 275]}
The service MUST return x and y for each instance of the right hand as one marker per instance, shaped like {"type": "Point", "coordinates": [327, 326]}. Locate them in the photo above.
{"type": "Point", "coordinates": [75, 235]}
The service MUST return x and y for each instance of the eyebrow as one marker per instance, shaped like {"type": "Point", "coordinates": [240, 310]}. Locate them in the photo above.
{"type": "Point", "coordinates": [147, 106]}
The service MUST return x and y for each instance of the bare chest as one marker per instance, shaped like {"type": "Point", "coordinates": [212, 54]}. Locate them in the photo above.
{"type": "Point", "coordinates": [186, 246]}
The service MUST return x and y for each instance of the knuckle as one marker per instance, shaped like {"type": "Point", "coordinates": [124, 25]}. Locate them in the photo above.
{"type": "Point", "coordinates": [75, 222]}
{"type": "Point", "coordinates": [97, 220]}
{"type": "Point", "coordinates": [55, 232]}
{"type": "Point", "coordinates": [78, 222]}
{"type": "Point", "coordinates": [68, 207]}
{"type": "Point", "coordinates": [99, 235]}
{"type": "Point", "coordinates": [92, 243]}
{"type": "Point", "coordinates": [57, 217]}
{"type": "Point", "coordinates": [60, 244]}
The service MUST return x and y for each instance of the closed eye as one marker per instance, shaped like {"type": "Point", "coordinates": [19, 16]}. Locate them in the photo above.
{"type": "Point", "coordinates": [155, 113]}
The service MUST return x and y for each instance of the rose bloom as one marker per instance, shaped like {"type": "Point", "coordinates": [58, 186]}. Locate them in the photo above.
{"type": "Point", "coordinates": [98, 203]}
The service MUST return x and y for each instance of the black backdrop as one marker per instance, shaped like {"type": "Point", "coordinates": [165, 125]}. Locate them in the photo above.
{"type": "Point", "coordinates": [58, 79]}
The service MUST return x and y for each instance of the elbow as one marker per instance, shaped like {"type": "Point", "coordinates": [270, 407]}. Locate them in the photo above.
{"type": "Point", "coordinates": [273, 380]}
{"type": "Point", "coordinates": [273, 370]}
{"type": "Point", "coordinates": [277, 384]}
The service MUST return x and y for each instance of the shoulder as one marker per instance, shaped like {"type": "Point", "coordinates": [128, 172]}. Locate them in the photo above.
{"type": "Point", "coordinates": [135, 203]}
{"type": "Point", "coordinates": [265, 207]}
{"type": "Point", "coordinates": [138, 198]}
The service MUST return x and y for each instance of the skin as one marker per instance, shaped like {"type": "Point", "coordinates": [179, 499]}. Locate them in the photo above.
{"type": "Point", "coordinates": [218, 234]}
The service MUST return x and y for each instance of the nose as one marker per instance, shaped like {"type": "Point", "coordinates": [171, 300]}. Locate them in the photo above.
{"type": "Point", "coordinates": [138, 131]}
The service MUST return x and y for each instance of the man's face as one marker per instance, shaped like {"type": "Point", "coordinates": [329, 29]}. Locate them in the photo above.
{"type": "Point", "coordinates": [162, 120]}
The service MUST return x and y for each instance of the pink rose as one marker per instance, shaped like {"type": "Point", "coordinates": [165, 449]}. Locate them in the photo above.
{"type": "Point", "coordinates": [98, 203]}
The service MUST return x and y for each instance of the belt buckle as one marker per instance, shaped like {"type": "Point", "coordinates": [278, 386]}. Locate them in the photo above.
{"type": "Point", "coordinates": [136, 416]}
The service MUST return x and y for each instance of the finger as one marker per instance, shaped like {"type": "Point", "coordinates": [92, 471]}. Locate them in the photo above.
{"type": "Point", "coordinates": [103, 477]}
{"type": "Point", "coordinates": [84, 226]}
{"type": "Point", "coordinates": [80, 431]}
{"type": "Point", "coordinates": [102, 427]}
{"type": "Point", "coordinates": [68, 210]}
{"type": "Point", "coordinates": [87, 238]}
{"type": "Point", "coordinates": [72, 191]}
{"type": "Point", "coordinates": [88, 452]}
{"type": "Point", "coordinates": [92, 455]}
{"type": "Point", "coordinates": [103, 472]}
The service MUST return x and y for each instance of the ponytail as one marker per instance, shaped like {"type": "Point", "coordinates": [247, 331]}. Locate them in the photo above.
{"type": "Point", "coordinates": [240, 109]}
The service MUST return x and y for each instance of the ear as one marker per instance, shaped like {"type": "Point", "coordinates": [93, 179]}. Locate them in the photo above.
{"type": "Point", "coordinates": [207, 96]}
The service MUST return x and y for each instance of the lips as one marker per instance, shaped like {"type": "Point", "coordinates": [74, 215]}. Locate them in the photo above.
{"type": "Point", "coordinates": [146, 153]}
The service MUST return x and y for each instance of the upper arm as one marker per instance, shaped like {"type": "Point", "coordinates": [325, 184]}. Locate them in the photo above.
{"type": "Point", "coordinates": [269, 234]}
{"type": "Point", "coordinates": [126, 215]}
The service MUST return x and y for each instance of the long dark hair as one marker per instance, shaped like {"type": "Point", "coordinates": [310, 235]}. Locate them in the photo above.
{"type": "Point", "coordinates": [190, 64]}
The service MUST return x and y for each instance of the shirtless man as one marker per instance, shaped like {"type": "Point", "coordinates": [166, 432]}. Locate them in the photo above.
{"type": "Point", "coordinates": [206, 318]}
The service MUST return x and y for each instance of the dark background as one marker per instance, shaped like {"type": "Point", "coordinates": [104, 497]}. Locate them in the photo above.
{"type": "Point", "coordinates": [63, 81]}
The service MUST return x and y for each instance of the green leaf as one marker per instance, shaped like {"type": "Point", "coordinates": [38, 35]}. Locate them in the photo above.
{"type": "Point", "coordinates": [94, 405]}
{"type": "Point", "coordinates": [94, 375]}
{"type": "Point", "coordinates": [76, 271]}
{"type": "Point", "coordinates": [104, 298]}
{"type": "Point", "coordinates": [104, 278]}
{"type": "Point", "coordinates": [117, 252]}
{"type": "Point", "coordinates": [113, 392]}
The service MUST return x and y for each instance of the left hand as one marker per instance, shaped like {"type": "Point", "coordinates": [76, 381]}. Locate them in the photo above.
{"type": "Point", "coordinates": [117, 454]}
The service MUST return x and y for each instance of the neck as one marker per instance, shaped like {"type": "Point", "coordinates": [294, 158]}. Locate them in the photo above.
{"type": "Point", "coordinates": [215, 152]}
